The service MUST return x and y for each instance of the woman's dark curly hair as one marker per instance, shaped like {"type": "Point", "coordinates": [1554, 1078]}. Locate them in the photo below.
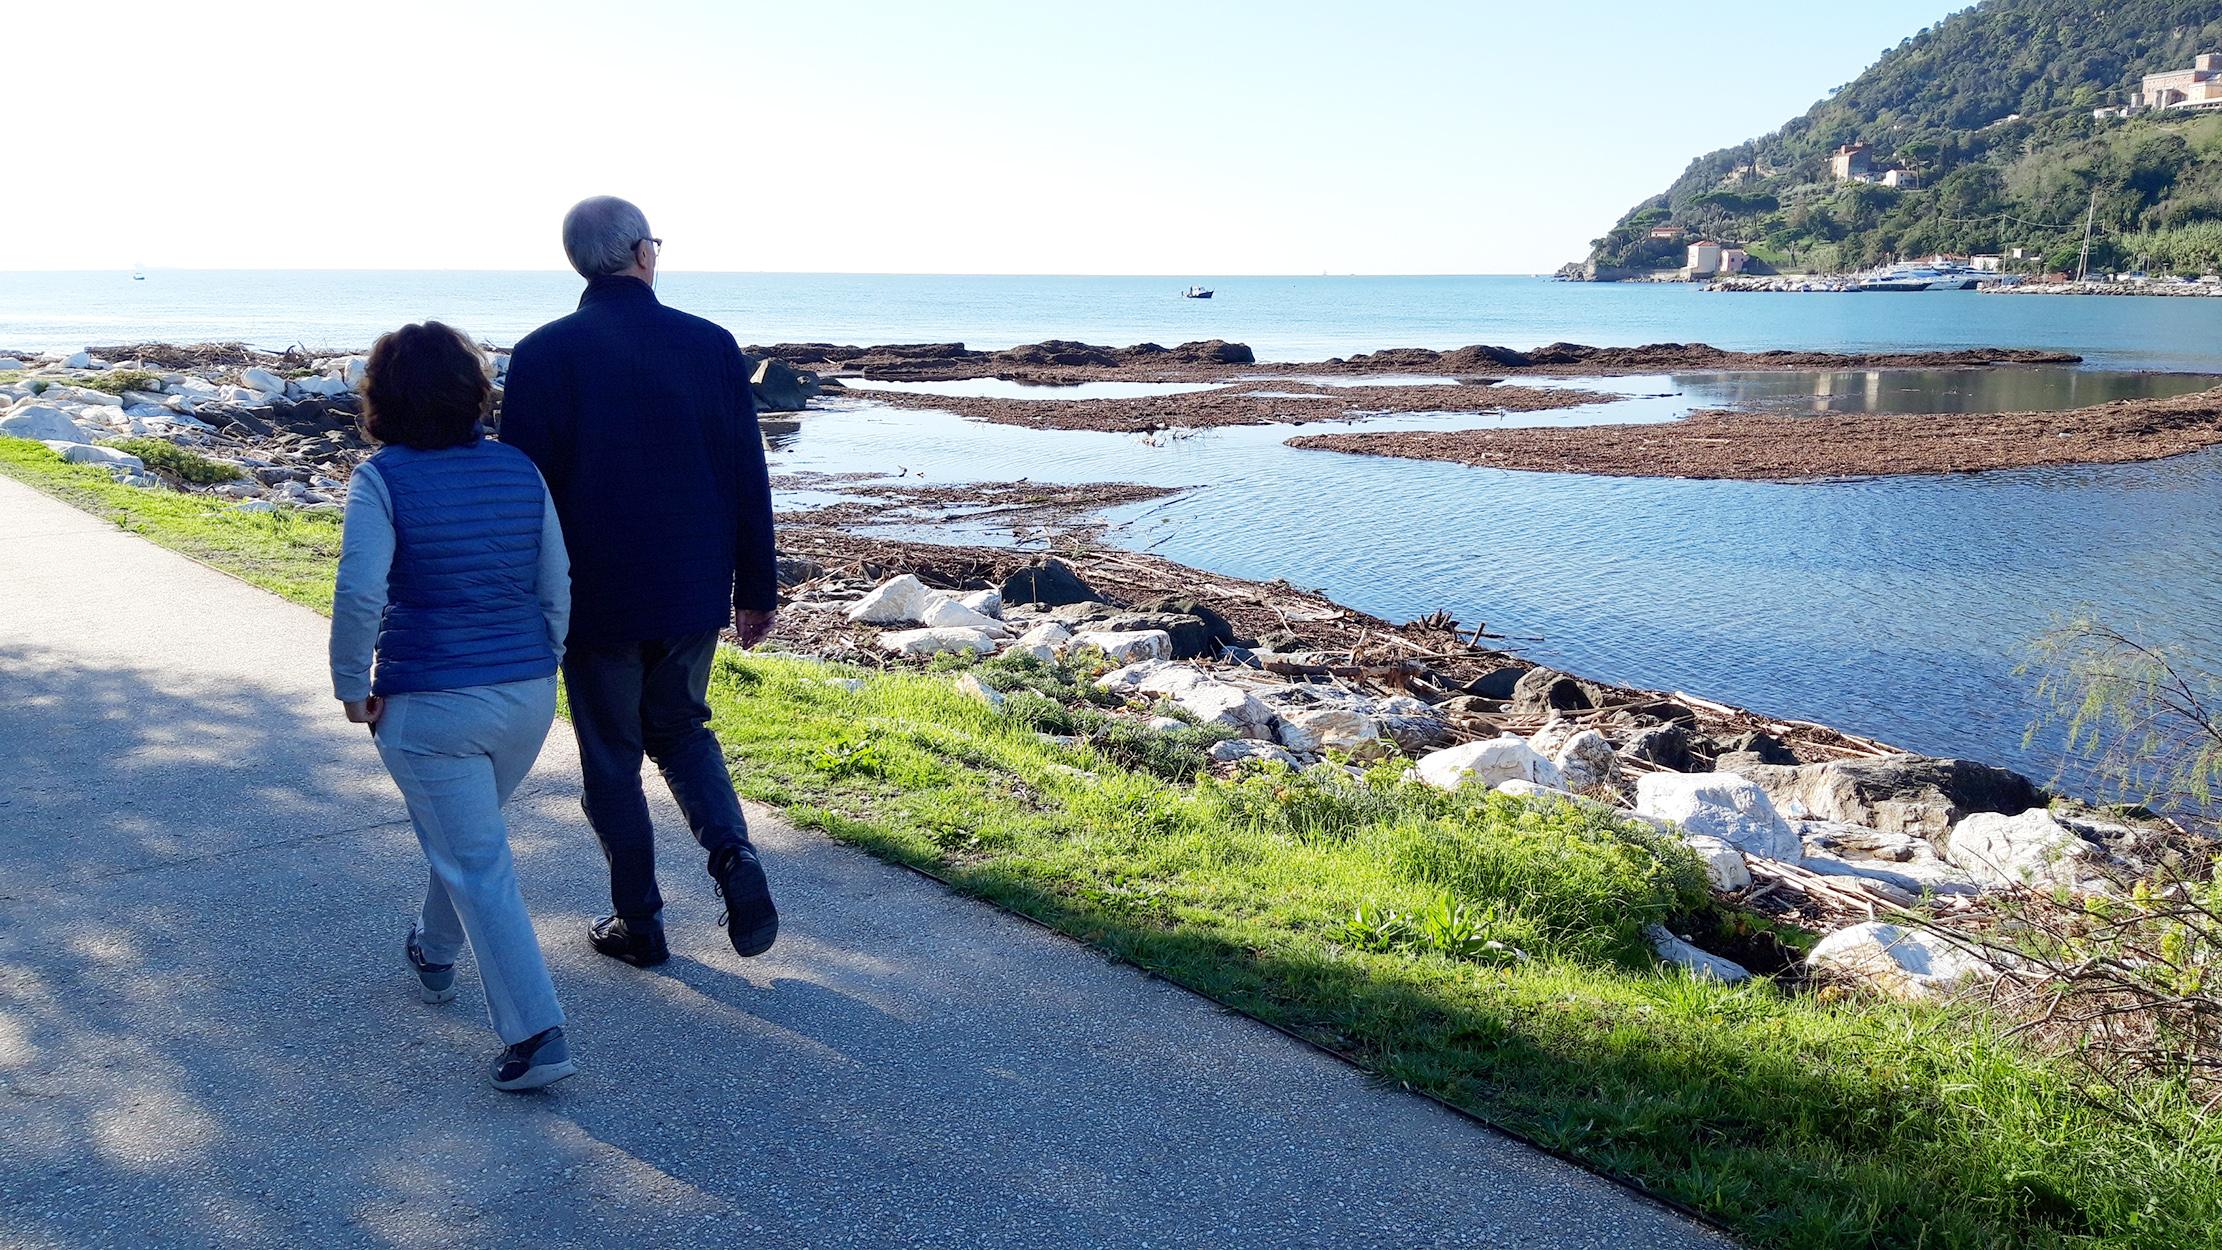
{"type": "Point", "coordinates": [425, 386]}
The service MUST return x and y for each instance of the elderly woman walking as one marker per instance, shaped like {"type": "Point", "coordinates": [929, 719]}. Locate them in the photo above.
{"type": "Point", "coordinates": [448, 625]}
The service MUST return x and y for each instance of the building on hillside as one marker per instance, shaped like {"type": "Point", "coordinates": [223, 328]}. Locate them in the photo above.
{"type": "Point", "coordinates": [1901, 179]}
{"type": "Point", "coordinates": [1705, 259]}
{"type": "Point", "coordinates": [1988, 264]}
{"type": "Point", "coordinates": [1849, 163]}
{"type": "Point", "coordinates": [1668, 232]}
{"type": "Point", "coordinates": [2199, 87]}
{"type": "Point", "coordinates": [1732, 259]}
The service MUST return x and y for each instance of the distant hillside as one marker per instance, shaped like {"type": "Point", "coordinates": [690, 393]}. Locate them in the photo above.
{"type": "Point", "coordinates": [1989, 115]}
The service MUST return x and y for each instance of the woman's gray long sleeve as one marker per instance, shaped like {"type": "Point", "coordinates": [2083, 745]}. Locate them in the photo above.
{"type": "Point", "coordinates": [555, 575]}
{"type": "Point", "coordinates": [359, 596]}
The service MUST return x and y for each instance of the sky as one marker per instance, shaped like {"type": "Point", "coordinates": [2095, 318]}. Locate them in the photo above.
{"type": "Point", "coordinates": [965, 136]}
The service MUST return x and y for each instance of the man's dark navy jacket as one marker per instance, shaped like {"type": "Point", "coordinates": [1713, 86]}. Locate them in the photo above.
{"type": "Point", "coordinates": [641, 420]}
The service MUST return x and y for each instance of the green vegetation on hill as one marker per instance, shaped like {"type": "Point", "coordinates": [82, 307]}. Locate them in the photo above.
{"type": "Point", "coordinates": [1483, 949]}
{"type": "Point", "coordinates": [1991, 111]}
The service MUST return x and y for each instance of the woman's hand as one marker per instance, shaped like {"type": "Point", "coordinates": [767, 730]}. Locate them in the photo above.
{"type": "Point", "coordinates": [366, 711]}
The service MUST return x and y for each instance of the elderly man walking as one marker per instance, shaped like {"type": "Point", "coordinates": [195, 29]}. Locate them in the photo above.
{"type": "Point", "coordinates": [641, 420]}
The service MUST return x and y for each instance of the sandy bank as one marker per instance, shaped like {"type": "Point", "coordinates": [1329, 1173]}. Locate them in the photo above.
{"type": "Point", "coordinates": [1758, 446]}
{"type": "Point", "coordinates": [1268, 403]}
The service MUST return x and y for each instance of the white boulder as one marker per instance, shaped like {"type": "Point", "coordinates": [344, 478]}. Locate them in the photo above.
{"type": "Point", "coordinates": [256, 505]}
{"type": "Point", "coordinates": [1159, 676]}
{"type": "Point", "coordinates": [1724, 864]}
{"type": "Point", "coordinates": [10, 363]}
{"type": "Point", "coordinates": [897, 601]}
{"type": "Point", "coordinates": [1588, 761]}
{"type": "Point", "coordinates": [1719, 805]}
{"type": "Point", "coordinates": [943, 612]}
{"type": "Point", "coordinates": [81, 360]}
{"type": "Point", "coordinates": [984, 602]}
{"type": "Point", "coordinates": [1228, 706]}
{"type": "Point", "coordinates": [1128, 645]}
{"type": "Point", "coordinates": [917, 642]}
{"type": "Point", "coordinates": [1330, 728]}
{"type": "Point", "coordinates": [1696, 962]}
{"type": "Point", "coordinates": [93, 453]}
{"type": "Point", "coordinates": [351, 371]}
{"type": "Point", "coordinates": [62, 393]}
{"type": "Point", "coordinates": [2029, 849]}
{"type": "Point", "coordinates": [262, 380]}
{"type": "Point", "coordinates": [1914, 878]}
{"type": "Point", "coordinates": [1489, 763]}
{"type": "Point", "coordinates": [1239, 750]}
{"type": "Point", "coordinates": [969, 684]}
{"type": "Point", "coordinates": [1521, 788]}
{"type": "Point", "coordinates": [42, 422]}
{"type": "Point", "coordinates": [1903, 963]}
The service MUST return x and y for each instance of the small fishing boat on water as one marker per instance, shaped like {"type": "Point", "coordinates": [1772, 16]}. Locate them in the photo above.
{"type": "Point", "coordinates": [1196, 292]}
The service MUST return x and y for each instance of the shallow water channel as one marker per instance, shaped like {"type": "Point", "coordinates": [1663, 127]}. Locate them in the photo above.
{"type": "Point", "coordinates": [1896, 607]}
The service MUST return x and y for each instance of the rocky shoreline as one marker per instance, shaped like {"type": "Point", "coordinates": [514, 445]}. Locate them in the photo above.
{"type": "Point", "coordinates": [1793, 819]}
{"type": "Point", "coordinates": [1766, 447]}
{"type": "Point", "coordinates": [1888, 852]}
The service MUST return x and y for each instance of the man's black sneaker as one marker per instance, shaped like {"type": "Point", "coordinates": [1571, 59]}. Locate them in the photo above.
{"type": "Point", "coordinates": [751, 922]}
{"type": "Point", "coordinates": [637, 942]}
{"type": "Point", "coordinates": [542, 1059]}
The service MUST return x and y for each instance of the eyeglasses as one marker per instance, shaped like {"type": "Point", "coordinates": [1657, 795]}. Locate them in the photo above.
{"type": "Point", "coordinates": [657, 243]}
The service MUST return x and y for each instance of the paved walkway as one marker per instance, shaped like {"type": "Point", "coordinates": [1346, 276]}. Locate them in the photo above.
{"type": "Point", "coordinates": [207, 1037]}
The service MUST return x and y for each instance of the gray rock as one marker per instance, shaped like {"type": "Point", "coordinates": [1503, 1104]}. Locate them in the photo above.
{"type": "Point", "coordinates": [1238, 750]}
{"type": "Point", "coordinates": [1696, 962]}
{"type": "Point", "coordinates": [1667, 746]}
{"type": "Point", "coordinates": [1052, 582]}
{"type": "Point", "coordinates": [1541, 691]}
{"type": "Point", "coordinates": [1900, 793]}
{"type": "Point", "coordinates": [780, 387]}
{"type": "Point", "coordinates": [1498, 683]}
{"type": "Point", "coordinates": [1191, 637]}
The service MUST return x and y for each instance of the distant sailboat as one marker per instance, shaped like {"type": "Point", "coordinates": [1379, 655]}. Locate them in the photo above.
{"type": "Point", "coordinates": [138, 273]}
{"type": "Point", "coordinates": [1196, 292]}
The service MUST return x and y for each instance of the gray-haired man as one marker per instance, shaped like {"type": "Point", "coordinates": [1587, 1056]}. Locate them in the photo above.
{"type": "Point", "coordinates": [641, 420]}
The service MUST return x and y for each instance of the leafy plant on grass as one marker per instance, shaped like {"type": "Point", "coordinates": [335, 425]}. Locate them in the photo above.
{"type": "Point", "coordinates": [848, 756]}
{"type": "Point", "coordinates": [186, 466]}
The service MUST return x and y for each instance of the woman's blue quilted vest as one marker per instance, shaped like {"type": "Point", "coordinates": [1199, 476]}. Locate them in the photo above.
{"type": "Point", "coordinates": [463, 601]}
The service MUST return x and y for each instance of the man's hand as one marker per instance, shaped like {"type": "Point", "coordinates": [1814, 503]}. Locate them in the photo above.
{"type": "Point", "coordinates": [754, 625]}
{"type": "Point", "coordinates": [366, 711]}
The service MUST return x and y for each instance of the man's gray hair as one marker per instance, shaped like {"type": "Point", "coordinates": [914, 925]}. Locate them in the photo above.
{"type": "Point", "coordinates": [599, 235]}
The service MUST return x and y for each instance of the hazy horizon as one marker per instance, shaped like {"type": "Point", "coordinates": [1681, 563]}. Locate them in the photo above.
{"type": "Point", "coordinates": [1417, 138]}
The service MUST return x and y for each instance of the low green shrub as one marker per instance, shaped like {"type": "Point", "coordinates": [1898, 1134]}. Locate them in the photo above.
{"type": "Point", "coordinates": [117, 381]}
{"type": "Point", "coordinates": [189, 467]}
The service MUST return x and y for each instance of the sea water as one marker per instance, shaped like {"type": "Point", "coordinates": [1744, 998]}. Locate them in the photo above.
{"type": "Point", "coordinates": [1898, 607]}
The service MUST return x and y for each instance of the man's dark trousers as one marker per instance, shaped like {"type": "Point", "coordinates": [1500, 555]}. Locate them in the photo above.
{"type": "Point", "coordinates": [634, 698]}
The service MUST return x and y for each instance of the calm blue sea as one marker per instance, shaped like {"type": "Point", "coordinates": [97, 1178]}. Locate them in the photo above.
{"type": "Point", "coordinates": [1282, 318]}
{"type": "Point", "coordinates": [1895, 607]}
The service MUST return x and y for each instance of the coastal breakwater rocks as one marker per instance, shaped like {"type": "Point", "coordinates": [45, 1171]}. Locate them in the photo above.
{"type": "Point", "coordinates": [287, 423]}
{"type": "Point", "coordinates": [285, 427]}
